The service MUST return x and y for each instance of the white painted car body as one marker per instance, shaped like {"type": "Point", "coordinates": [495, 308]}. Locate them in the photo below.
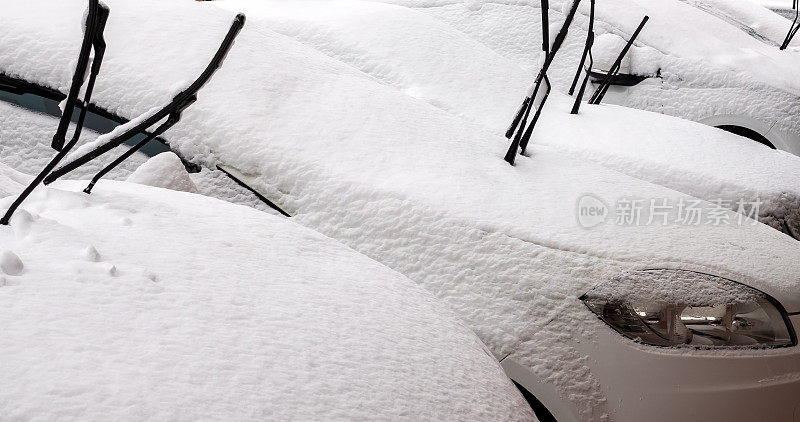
{"type": "Point", "coordinates": [429, 195]}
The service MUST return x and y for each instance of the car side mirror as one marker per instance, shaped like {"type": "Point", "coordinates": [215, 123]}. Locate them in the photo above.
{"type": "Point", "coordinates": [605, 50]}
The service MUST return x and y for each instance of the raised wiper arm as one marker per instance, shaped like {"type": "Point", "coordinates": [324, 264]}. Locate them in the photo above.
{"type": "Point", "coordinates": [598, 95]}
{"type": "Point", "coordinates": [794, 28]}
{"type": "Point", "coordinates": [172, 110]}
{"type": "Point", "coordinates": [586, 51]}
{"type": "Point", "coordinates": [93, 39]}
{"type": "Point", "coordinates": [89, 34]}
{"type": "Point", "coordinates": [524, 131]}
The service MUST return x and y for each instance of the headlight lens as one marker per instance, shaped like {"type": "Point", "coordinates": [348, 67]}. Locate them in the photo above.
{"type": "Point", "coordinates": [674, 308]}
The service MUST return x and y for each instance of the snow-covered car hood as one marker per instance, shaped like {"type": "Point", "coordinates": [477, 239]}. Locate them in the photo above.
{"type": "Point", "coordinates": [453, 72]}
{"type": "Point", "coordinates": [147, 303]}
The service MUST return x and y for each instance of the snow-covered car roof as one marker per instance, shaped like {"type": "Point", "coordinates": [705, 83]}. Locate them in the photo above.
{"type": "Point", "coordinates": [400, 180]}
{"type": "Point", "coordinates": [147, 303]}
{"type": "Point", "coordinates": [447, 69]}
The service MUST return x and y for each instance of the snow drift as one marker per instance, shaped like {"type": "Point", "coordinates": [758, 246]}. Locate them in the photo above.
{"type": "Point", "coordinates": [144, 303]}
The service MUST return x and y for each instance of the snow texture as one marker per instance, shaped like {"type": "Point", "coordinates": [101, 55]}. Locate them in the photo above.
{"type": "Point", "coordinates": [165, 170]}
{"type": "Point", "coordinates": [438, 65]}
{"type": "Point", "coordinates": [25, 146]}
{"type": "Point", "coordinates": [408, 183]}
{"type": "Point", "coordinates": [675, 287]}
{"type": "Point", "coordinates": [714, 75]}
{"type": "Point", "coordinates": [25, 138]}
{"type": "Point", "coordinates": [141, 303]}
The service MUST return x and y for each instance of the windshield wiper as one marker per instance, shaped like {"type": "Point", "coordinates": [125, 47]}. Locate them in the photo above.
{"type": "Point", "coordinates": [171, 111]}
{"type": "Point", "coordinates": [92, 40]}
{"type": "Point", "coordinates": [598, 95]}
{"type": "Point", "coordinates": [520, 124]}
{"type": "Point", "coordinates": [587, 50]}
{"type": "Point", "coordinates": [794, 28]}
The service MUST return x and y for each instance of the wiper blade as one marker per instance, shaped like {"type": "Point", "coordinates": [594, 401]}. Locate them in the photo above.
{"type": "Point", "coordinates": [523, 129]}
{"type": "Point", "coordinates": [89, 36]}
{"type": "Point", "coordinates": [96, 19]}
{"type": "Point", "coordinates": [587, 50]}
{"type": "Point", "coordinates": [171, 111]}
{"type": "Point", "coordinates": [794, 28]}
{"type": "Point", "coordinates": [600, 93]}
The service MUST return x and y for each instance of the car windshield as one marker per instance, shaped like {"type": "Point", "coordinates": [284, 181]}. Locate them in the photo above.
{"type": "Point", "coordinates": [45, 100]}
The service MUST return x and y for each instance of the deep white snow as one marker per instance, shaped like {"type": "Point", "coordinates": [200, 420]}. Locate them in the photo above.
{"type": "Point", "coordinates": [25, 138]}
{"type": "Point", "coordinates": [143, 303]}
{"type": "Point", "coordinates": [165, 170]}
{"type": "Point", "coordinates": [439, 65]}
{"type": "Point", "coordinates": [405, 182]}
{"type": "Point", "coordinates": [714, 75]}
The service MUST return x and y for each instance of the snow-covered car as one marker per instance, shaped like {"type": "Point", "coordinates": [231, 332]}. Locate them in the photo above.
{"type": "Point", "coordinates": [785, 8]}
{"type": "Point", "coordinates": [441, 65]}
{"type": "Point", "coordinates": [724, 68]}
{"type": "Point", "coordinates": [596, 313]}
{"type": "Point", "coordinates": [141, 303]}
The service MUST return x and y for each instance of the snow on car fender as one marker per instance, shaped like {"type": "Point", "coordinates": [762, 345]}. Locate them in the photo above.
{"type": "Point", "coordinates": [429, 195]}
{"type": "Point", "coordinates": [140, 302]}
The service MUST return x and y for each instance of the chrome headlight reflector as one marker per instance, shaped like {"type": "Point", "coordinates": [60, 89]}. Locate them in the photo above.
{"type": "Point", "coordinates": [685, 308]}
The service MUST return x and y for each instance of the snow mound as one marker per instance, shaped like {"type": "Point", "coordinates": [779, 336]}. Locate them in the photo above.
{"type": "Point", "coordinates": [10, 263]}
{"type": "Point", "coordinates": [165, 170]}
{"type": "Point", "coordinates": [419, 189]}
{"type": "Point", "coordinates": [220, 312]}
{"type": "Point", "coordinates": [680, 155]}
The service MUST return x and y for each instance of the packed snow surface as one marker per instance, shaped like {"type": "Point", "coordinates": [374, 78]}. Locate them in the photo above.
{"type": "Point", "coordinates": [165, 170]}
{"type": "Point", "coordinates": [729, 72]}
{"type": "Point", "coordinates": [462, 76]}
{"type": "Point", "coordinates": [676, 287]}
{"type": "Point", "coordinates": [404, 181]}
{"type": "Point", "coordinates": [141, 303]}
{"type": "Point", "coordinates": [25, 138]}
{"type": "Point", "coordinates": [25, 146]}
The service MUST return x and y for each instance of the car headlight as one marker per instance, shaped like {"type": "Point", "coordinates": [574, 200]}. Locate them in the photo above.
{"type": "Point", "coordinates": [674, 308]}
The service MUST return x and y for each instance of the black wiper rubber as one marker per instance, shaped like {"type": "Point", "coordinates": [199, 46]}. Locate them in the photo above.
{"type": "Point", "coordinates": [78, 77]}
{"type": "Point", "coordinates": [598, 95]}
{"type": "Point", "coordinates": [525, 108]}
{"type": "Point", "coordinates": [587, 50]}
{"type": "Point", "coordinates": [523, 130]}
{"type": "Point", "coordinates": [794, 28]}
{"type": "Point", "coordinates": [173, 109]}
{"type": "Point", "coordinates": [93, 38]}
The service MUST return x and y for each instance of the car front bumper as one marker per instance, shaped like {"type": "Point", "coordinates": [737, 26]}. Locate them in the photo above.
{"type": "Point", "coordinates": [655, 384]}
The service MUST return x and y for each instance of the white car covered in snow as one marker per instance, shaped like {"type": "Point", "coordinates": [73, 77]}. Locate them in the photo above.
{"type": "Point", "coordinates": [598, 311]}
{"type": "Point", "coordinates": [142, 303]}
{"type": "Point", "coordinates": [712, 61]}
{"type": "Point", "coordinates": [451, 71]}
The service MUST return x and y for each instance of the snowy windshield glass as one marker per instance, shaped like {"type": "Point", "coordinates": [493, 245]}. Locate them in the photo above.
{"type": "Point", "coordinates": [44, 100]}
